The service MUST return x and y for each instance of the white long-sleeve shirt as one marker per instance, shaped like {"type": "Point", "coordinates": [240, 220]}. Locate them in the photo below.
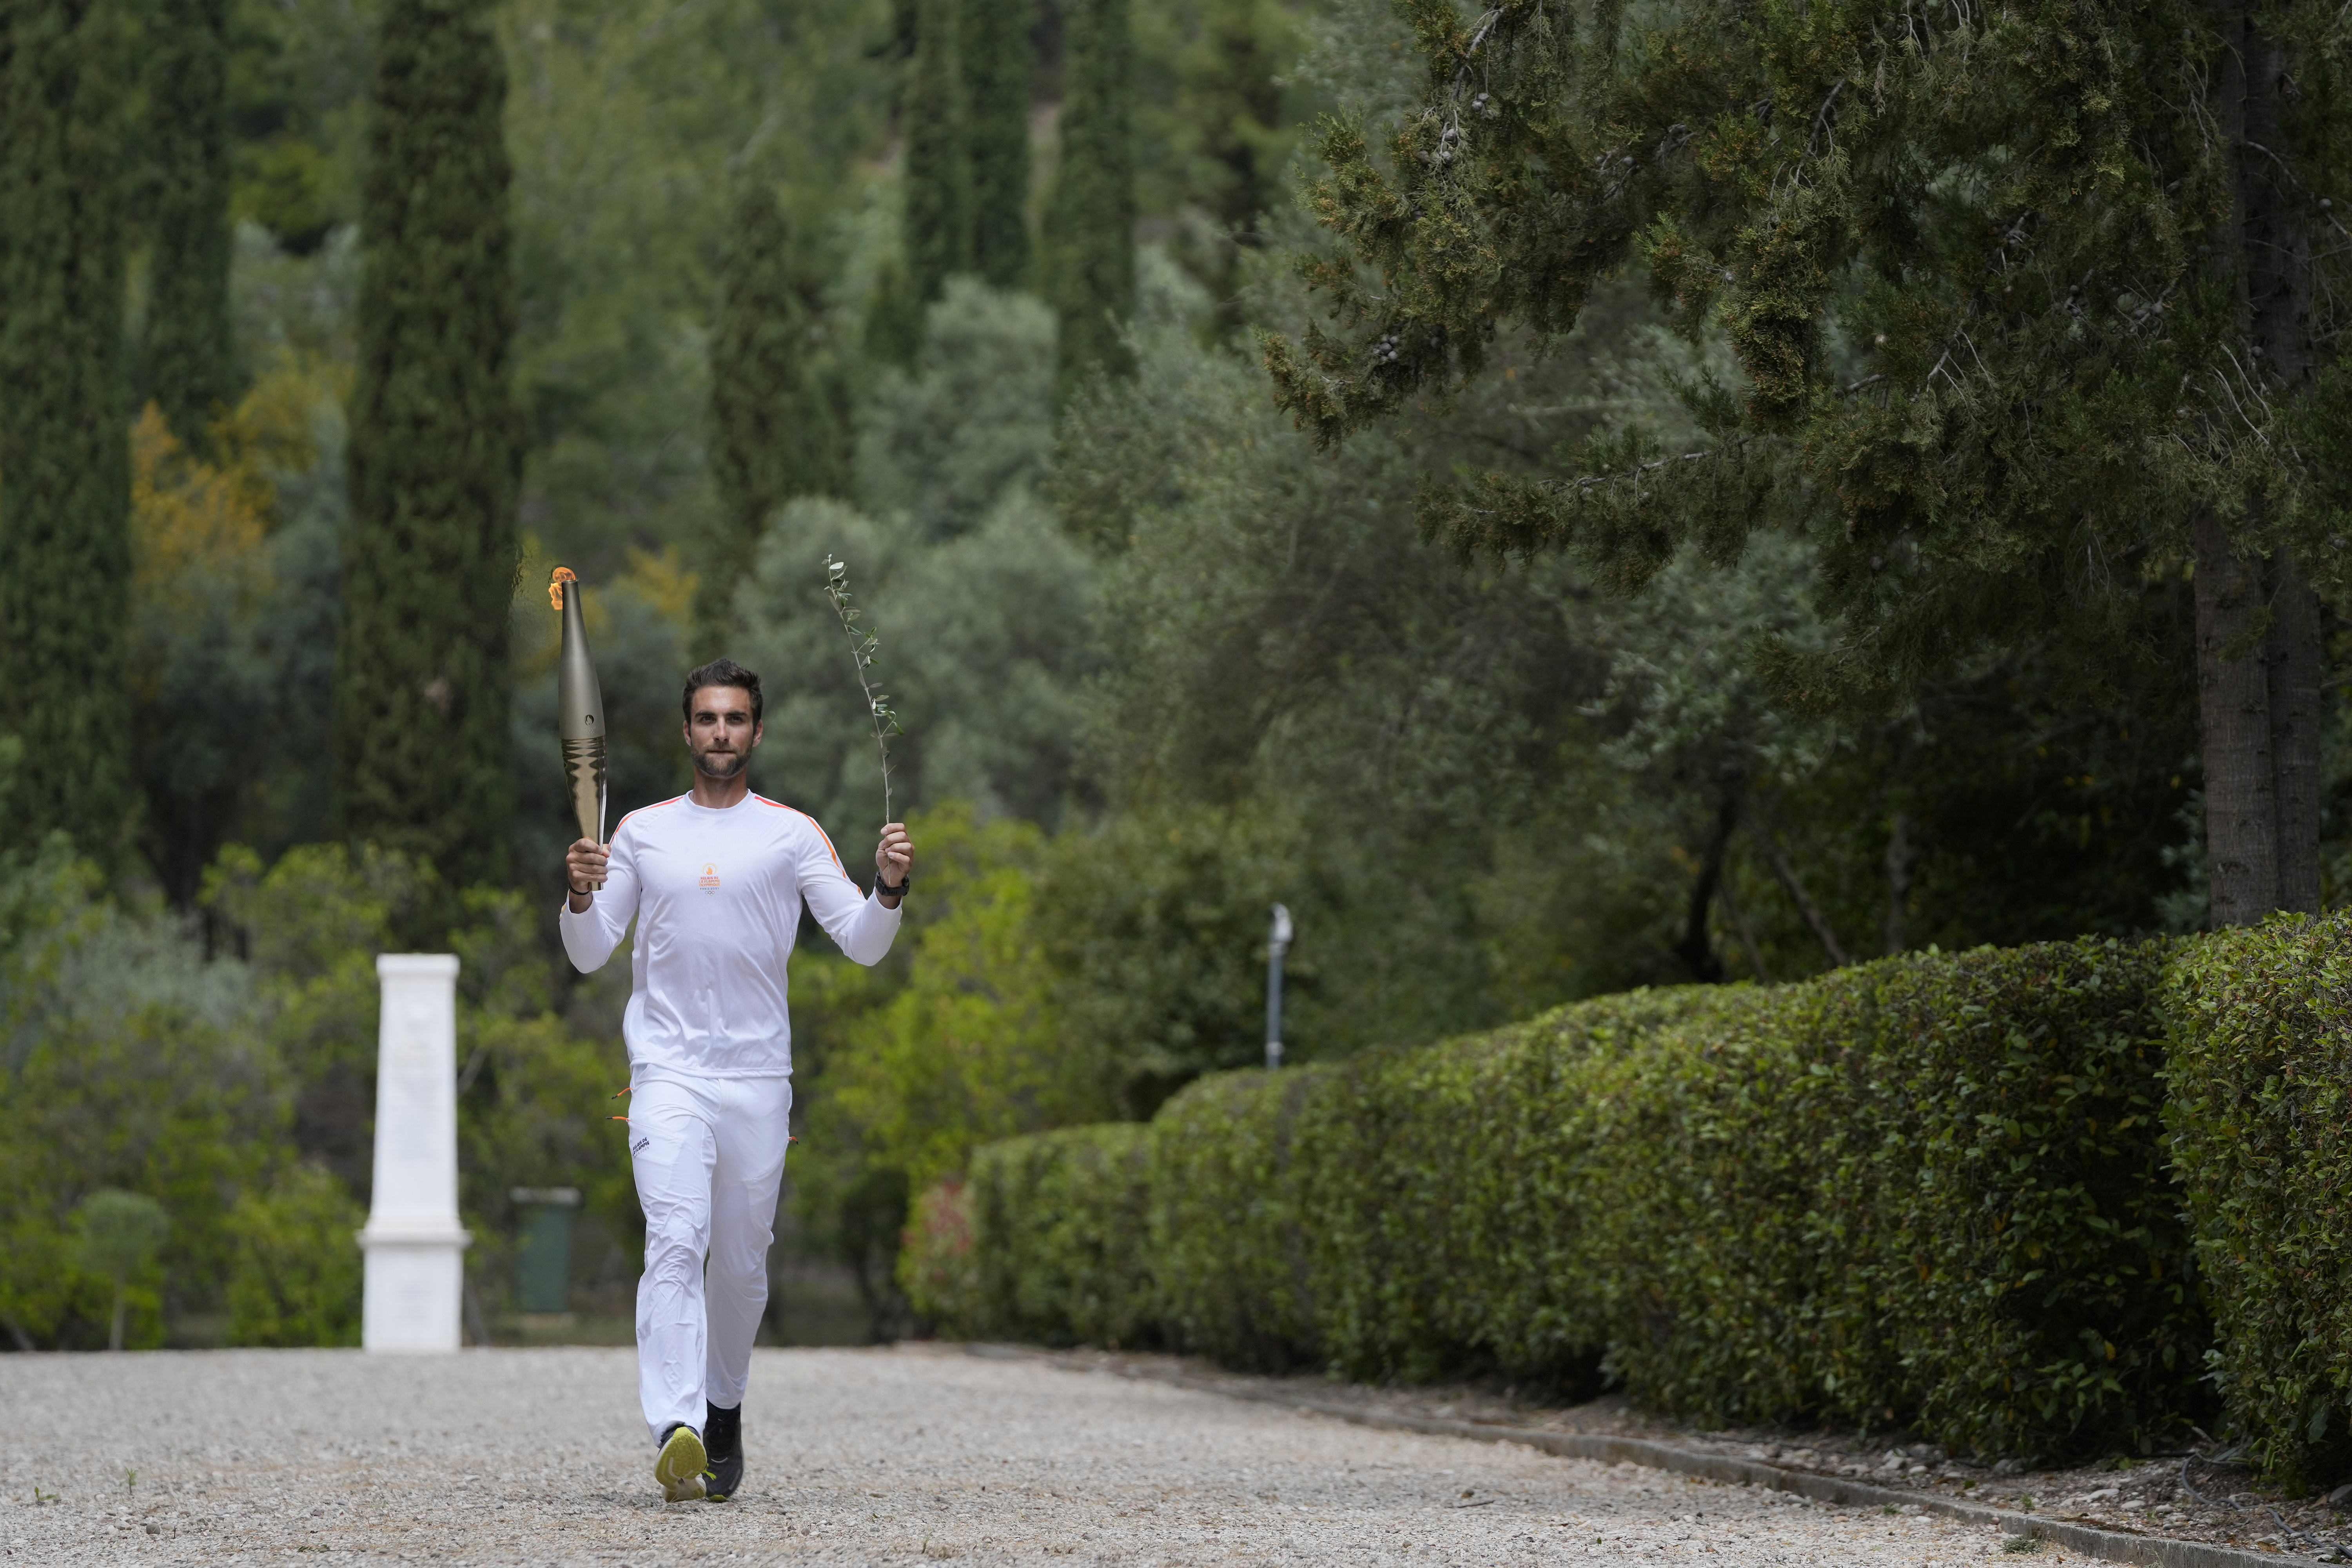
{"type": "Point", "coordinates": [717, 897]}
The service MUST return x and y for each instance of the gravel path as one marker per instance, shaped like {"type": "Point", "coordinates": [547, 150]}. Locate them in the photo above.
{"type": "Point", "coordinates": [537, 1457]}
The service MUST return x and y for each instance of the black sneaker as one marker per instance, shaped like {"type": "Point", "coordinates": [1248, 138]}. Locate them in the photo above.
{"type": "Point", "coordinates": [679, 1465]}
{"type": "Point", "coordinates": [722, 1434]}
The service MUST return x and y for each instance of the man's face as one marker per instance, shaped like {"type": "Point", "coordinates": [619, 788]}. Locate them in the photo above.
{"type": "Point", "coordinates": [719, 731]}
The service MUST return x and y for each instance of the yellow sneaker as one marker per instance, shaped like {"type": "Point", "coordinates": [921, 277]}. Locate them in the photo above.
{"type": "Point", "coordinates": [679, 1465]}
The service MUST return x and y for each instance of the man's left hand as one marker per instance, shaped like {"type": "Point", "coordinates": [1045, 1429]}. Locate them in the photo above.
{"type": "Point", "coordinates": [894, 859]}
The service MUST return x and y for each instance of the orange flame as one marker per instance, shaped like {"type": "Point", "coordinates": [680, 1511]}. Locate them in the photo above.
{"type": "Point", "coordinates": [555, 585]}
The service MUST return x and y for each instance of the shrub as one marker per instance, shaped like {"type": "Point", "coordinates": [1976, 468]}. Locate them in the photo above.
{"type": "Point", "coordinates": [938, 1268]}
{"type": "Point", "coordinates": [297, 1275]}
{"type": "Point", "coordinates": [2261, 1071]}
{"type": "Point", "coordinates": [1228, 1236]}
{"type": "Point", "coordinates": [1060, 1220]}
{"type": "Point", "coordinates": [1928, 1191]}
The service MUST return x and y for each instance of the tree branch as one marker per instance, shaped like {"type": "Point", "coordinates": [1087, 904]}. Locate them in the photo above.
{"type": "Point", "coordinates": [1811, 912]}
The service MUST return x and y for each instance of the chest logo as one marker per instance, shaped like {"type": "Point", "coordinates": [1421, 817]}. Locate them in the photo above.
{"type": "Point", "coordinates": [709, 878]}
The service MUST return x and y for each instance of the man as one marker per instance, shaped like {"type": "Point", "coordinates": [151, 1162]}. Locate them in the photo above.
{"type": "Point", "coordinates": [716, 880]}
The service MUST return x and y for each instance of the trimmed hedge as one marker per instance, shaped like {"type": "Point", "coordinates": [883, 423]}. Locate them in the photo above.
{"type": "Point", "coordinates": [2261, 1075]}
{"type": "Point", "coordinates": [1059, 1219]}
{"type": "Point", "coordinates": [1928, 1191]}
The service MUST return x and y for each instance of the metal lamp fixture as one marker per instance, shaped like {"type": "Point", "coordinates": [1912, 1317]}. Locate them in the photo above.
{"type": "Point", "coordinates": [1277, 943]}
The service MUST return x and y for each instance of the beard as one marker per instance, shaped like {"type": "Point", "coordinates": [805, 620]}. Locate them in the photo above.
{"type": "Point", "coordinates": [719, 764]}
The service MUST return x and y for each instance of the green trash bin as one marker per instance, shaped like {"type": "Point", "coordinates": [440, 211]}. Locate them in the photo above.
{"type": "Point", "coordinates": [543, 1256]}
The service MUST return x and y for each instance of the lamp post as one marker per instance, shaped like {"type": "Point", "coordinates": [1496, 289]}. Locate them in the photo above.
{"type": "Point", "coordinates": [1277, 943]}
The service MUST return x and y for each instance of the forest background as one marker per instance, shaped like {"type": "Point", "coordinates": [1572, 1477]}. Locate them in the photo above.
{"type": "Point", "coordinates": [967, 293]}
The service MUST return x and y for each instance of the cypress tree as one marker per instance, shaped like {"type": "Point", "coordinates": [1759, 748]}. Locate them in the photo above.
{"type": "Point", "coordinates": [2034, 305]}
{"type": "Point", "coordinates": [1090, 219]}
{"type": "Point", "coordinates": [893, 316]}
{"type": "Point", "coordinates": [65, 475]}
{"type": "Point", "coordinates": [190, 361]}
{"type": "Point", "coordinates": [996, 60]}
{"type": "Point", "coordinates": [421, 747]}
{"type": "Point", "coordinates": [938, 154]}
{"type": "Point", "coordinates": [774, 434]}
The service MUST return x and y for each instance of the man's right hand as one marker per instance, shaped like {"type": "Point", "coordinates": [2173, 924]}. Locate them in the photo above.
{"type": "Point", "coordinates": [584, 872]}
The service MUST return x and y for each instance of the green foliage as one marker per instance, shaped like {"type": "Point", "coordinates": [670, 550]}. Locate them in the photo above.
{"type": "Point", "coordinates": [117, 1236]}
{"type": "Point", "coordinates": [945, 441]}
{"type": "Point", "coordinates": [2257, 1118]}
{"type": "Point", "coordinates": [1088, 261]}
{"type": "Point", "coordinates": [120, 1235]}
{"type": "Point", "coordinates": [533, 1115]}
{"type": "Point", "coordinates": [1156, 921]}
{"type": "Point", "coordinates": [1066, 1219]}
{"type": "Point", "coordinates": [422, 746]}
{"type": "Point", "coordinates": [1217, 126]}
{"type": "Point", "coordinates": [298, 1270]}
{"type": "Point", "coordinates": [996, 64]}
{"type": "Point", "coordinates": [129, 1063]}
{"type": "Point", "coordinates": [1504, 788]}
{"type": "Point", "coordinates": [905, 1073]}
{"type": "Point", "coordinates": [938, 1266]}
{"type": "Point", "coordinates": [297, 77]}
{"type": "Point", "coordinates": [632, 128]}
{"type": "Point", "coordinates": [65, 73]}
{"type": "Point", "coordinates": [534, 1093]}
{"type": "Point", "coordinates": [773, 432]}
{"type": "Point", "coordinates": [1929, 1192]}
{"type": "Point", "coordinates": [189, 366]}
{"type": "Point", "coordinates": [2017, 330]}
{"type": "Point", "coordinates": [939, 179]}
{"type": "Point", "coordinates": [1227, 1232]}
{"type": "Point", "coordinates": [971, 1049]}
{"type": "Point", "coordinates": [985, 598]}
{"type": "Point", "coordinates": [310, 926]}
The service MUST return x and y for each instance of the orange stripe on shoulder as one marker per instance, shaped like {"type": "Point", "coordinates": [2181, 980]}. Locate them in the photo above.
{"type": "Point", "coordinates": [643, 809]}
{"type": "Point", "coordinates": [812, 822]}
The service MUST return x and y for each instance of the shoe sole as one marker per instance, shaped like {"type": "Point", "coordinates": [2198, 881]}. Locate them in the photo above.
{"type": "Point", "coordinates": [679, 1467]}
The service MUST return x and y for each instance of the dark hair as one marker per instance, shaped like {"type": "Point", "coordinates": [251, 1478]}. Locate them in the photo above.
{"type": "Point", "coordinates": [720, 672]}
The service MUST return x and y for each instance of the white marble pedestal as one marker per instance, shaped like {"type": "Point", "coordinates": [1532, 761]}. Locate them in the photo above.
{"type": "Point", "coordinates": [415, 1273]}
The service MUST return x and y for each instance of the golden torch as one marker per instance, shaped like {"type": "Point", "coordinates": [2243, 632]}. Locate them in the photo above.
{"type": "Point", "coordinates": [580, 710]}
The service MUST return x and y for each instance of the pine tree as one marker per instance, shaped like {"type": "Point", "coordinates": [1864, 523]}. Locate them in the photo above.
{"type": "Point", "coordinates": [422, 749]}
{"type": "Point", "coordinates": [190, 369]}
{"type": "Point", "coordinates": [64, 478]}
{"type": "Point", "coordinates": [773, 431]}
{"type": "Point", "coordinates": [996, 60]}
{"type": "Point", "coordinates": [938, 153]}
{"type": "Point", "coordinates": [1090, 261]}
{"type": "Point", "coordinates": [2033, 304]}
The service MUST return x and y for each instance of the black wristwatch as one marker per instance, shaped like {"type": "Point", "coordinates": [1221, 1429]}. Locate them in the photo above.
{"type": "Point", "coordinates": [884, 890]}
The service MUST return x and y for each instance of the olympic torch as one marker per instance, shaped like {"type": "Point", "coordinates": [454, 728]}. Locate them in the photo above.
{"type": "Point", "coordinates": [580, 710]}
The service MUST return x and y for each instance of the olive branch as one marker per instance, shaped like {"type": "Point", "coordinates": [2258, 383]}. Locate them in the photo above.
{"type": "Point", "coordinates": [863, 645]}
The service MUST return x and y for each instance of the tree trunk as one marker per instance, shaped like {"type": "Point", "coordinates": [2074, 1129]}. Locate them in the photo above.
{"type": "Point", "coordinates": [1745, 932]}
{"type": "Point", "coordinates": [2294, 691]}
{"type": "Point", "coordinates": [1899, 856]}
{"type": "Point", "coordinates": [2258, 650]}
{"type": "Point", "coordinates": [1696, 949]}
{"type": "Point", "coordinates": [2234, 713]}
{"type": "Point", "coordinates": [114, 1335]}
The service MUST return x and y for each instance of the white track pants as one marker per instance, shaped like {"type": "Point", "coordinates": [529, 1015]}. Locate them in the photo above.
{"type": "Point", "coordinates": [708, 1155]}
